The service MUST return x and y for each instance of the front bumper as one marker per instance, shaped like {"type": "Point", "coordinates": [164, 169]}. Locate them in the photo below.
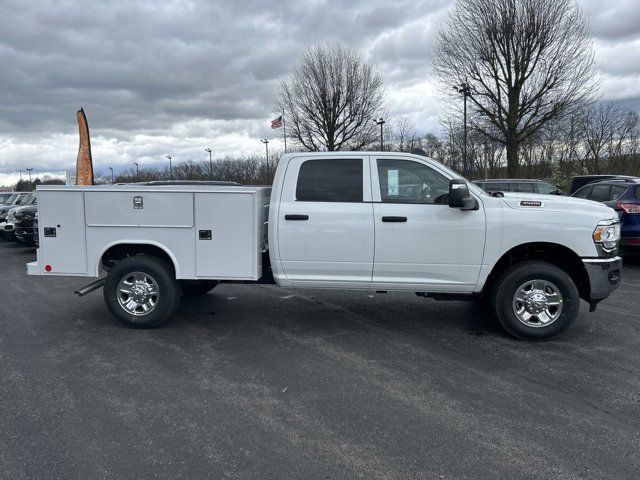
{"type": "Point", "coordinates": [604, 277]}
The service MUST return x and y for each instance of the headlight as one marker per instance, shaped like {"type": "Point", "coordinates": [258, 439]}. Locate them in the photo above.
{"type": "Point", "coordinates": [607, 234]}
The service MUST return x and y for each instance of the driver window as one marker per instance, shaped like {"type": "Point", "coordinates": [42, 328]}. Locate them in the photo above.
{"type": "Point", "coordinates": [405, 181]}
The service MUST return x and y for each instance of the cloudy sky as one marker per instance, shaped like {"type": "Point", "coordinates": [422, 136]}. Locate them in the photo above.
{"type": "Point", "coordinates": [173, 77]}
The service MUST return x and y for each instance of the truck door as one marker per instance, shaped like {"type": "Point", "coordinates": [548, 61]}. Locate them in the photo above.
{"type": "Point", "coordinates": [325, 220]}
{"type": "Point", "coordinates": [419, 239]}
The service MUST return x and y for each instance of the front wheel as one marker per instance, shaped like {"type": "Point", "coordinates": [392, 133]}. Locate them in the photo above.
{"type": "Point", "coordinates": [141, 291]}
{"type": "Point", "coordinates": [535, 299]}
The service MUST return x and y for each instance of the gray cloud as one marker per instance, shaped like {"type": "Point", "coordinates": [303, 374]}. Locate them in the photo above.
{"type": "Point", "coordinates": [613, 20]}
{"type": "Point", "coordinates": [170, 77]}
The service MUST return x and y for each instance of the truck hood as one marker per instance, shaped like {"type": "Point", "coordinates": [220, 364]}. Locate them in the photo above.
{"type": "Point", "coordinates": [558, 203]}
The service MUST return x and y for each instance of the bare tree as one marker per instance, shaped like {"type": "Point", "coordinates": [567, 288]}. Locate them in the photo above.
{"type": "Point", "coordinates": [527, 62]}
{"type": "Point", "coordinates": [331, 99]}
{"type": "Point", "coordinates": [404, 134]}
{"type": "Point", "coordinates": [599, 124]}
{"type": "Point", "coordinates": [432, 146]}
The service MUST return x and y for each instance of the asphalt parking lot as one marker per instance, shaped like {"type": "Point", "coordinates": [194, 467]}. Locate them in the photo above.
{"type": "Point", "coordinates": [260, 382]}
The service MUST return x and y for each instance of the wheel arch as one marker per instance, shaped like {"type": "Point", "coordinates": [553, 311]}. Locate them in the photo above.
{"type": "Point", "coordinates": [553, 253]}
{"type": "Point", "coordinates": [116, 251]}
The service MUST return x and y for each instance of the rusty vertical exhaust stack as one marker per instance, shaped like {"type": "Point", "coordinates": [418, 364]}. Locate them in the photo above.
{"type": "Point", "coordinates": [84, 163]}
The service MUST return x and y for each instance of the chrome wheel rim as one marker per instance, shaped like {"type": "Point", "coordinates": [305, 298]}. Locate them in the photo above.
{"type": "Point", "coordinates": [537, 303]}
{"type": "Point", "coordinates": [138, 293]}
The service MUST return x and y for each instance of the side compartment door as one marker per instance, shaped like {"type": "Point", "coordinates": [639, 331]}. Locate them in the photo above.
{"type": "Point", "coordinates": [325, 220]}
{"type": "Point", "coordinates": [62, 232]}
{"type": "Point", "coordinates": [419, 239]}
{"type": "Point", "coordinates": [225, 236]}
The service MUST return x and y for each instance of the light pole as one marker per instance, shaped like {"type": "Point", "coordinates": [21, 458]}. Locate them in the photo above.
{"type": "Point", "coordinates": [29, 170]}
{"type": "Point", "coordinates": [266, 146]}
{"type": "Point", "coordinates": [465, 90]}
{"type": "Point", "coordinates": [381, 122]}
{"type": "Point", "coordinates": [112, 179]}
{"type": "Point", "coordinates": [170, 167]}
{"type": "Point", "coordinates": [20, 174]}
{"type": "Point", "coordinates": [137, 171]}
{"type": "Point", "coordinates": [210, 163]}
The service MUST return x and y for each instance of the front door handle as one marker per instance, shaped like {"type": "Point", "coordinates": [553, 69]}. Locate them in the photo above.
{"type": "Point", "coordinates": [290, 216]}
{"type": "Point", "coordinates": [394, 219]}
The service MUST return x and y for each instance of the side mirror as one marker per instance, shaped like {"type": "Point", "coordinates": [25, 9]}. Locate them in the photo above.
{"type": "Point", "coordinates": [459, 196]}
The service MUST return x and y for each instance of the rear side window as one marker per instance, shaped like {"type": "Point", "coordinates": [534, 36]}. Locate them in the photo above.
{"type": "Point", "coordinates": [600, 193]}
{"type": "Point", "coordinates": [524, 187]}
{"type": "Point", "coordinates": [617, 192]}
{"type": "Point", "coordinates": [330, 181]}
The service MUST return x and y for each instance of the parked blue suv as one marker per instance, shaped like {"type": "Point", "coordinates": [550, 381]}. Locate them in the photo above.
{"type": "Point", "coordinates": [623, 195]}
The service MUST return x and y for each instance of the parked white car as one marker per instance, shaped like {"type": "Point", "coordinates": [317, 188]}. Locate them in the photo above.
{"type": "Point", "coordinates": [344, 220]}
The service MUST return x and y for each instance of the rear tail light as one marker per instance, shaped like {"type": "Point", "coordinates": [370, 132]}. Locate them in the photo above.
{"type": "Point", "coordinates": [628, 207]}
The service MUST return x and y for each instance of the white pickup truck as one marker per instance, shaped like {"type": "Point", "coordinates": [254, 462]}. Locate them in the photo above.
{"type": "Point", "coordinates": [376, 221]}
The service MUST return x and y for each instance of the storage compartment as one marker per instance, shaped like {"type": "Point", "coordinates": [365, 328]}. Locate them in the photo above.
{"type": "Point", "coordinates": [62, 232]}
{"type": "Point", "coordinates": [228, 235]}
{"type": "Point", "coordinates": [206, 232]}
{"type": "Point", "coordinates": [139, 209]}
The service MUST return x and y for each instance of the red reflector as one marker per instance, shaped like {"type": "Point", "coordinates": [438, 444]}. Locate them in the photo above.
{"type": "Point", "coordinates": [628, 207]}
{"type": "Point", "coordinates": [47, 268]}
{"type": "Point", "coordinates": [632, 241]}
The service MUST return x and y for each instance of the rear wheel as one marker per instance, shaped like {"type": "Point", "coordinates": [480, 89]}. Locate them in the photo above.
{"type": "Point", "coordinates": [141, 291]}
{"type": "Point", "coordinates": [535, 299]}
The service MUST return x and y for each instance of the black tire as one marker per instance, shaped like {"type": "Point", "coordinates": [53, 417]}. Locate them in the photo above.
{"type": "Point", "coordinates": [163, 280]}
{"type": "Point", "coordinates": [505, 303]}
{"type": "Point", "coordinates": [197, 287]}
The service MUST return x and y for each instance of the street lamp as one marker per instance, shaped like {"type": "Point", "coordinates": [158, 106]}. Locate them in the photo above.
{"type": "Point", "coordinates": [137, 170]}
{"type": "Point", "coordinates": [266, 146]}
{"type": "Point", "coordinates": [465, 90]}
{"type": "Point", "coordinates": [170, 167]}
{"type": "Point", "coordinates": [210, 163]}
{"type": "Point", "coordinates": [381, 122]}
{"type": "Point", "coordinates": [29, 170]}
{"type": "Point", "coordinates": [112, 179]}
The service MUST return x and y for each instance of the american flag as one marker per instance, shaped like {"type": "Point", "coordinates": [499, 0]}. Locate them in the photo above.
{"type": "Point", "coordinates": [276, 122]}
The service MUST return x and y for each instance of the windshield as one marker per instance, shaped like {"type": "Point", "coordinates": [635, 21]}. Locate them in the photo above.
{"type": "Point", "coordinates": [12, 199]}
{"type": "Point", "coordinates": [24, 200]}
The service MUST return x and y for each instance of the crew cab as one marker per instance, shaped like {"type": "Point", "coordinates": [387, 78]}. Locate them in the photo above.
{"type": "Point", "coordinates": [376, 221]}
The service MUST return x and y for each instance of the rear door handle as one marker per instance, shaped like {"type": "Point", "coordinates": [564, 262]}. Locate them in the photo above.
{"type": "Point", "coordinates": [394, 219]}
{"type": "Point", "coordinates": [290, 216]}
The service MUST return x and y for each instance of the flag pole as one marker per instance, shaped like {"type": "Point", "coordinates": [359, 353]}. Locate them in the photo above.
{"type": "Point", "coordinates": [284, 131]}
